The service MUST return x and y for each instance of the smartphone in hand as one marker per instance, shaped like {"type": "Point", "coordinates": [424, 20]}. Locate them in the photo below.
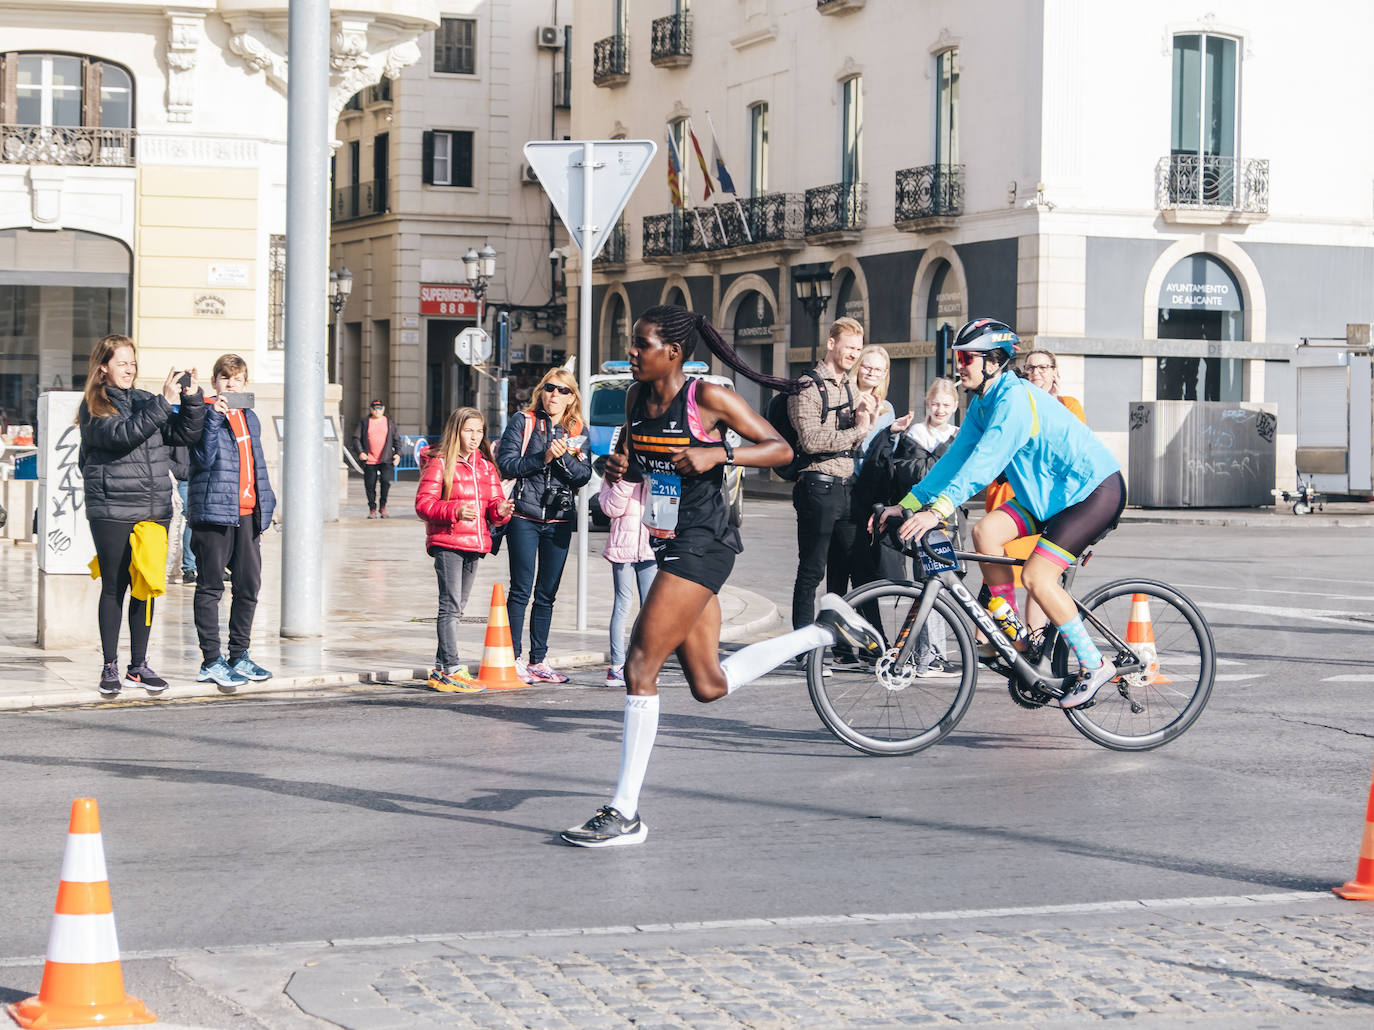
{"type": "Point", "coordinates": [238, 400]}
{"type": "Point", "coordinates": [184, 380]}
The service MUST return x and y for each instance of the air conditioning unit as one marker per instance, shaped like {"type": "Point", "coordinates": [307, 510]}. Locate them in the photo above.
{"type": "Point", "coordinates": [548, 37]}
{"type": "Point", "coordinates": [528, 175]}
{"type": "Point", "coordinates": [537, 353]}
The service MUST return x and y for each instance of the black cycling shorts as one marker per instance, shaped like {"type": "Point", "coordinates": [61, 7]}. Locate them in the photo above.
{"type": "Point", "coordinates": [1067, 534]}
{"type": "Point", "coordinates": [697, 555]}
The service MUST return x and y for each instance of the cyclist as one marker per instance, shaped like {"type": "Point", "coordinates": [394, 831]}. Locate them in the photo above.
{"type": "Point", "coordinates": [1068, 487]}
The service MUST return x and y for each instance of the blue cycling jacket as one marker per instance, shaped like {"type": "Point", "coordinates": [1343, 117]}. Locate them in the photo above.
{"type": "Point", "coordinates": [1051, 459]}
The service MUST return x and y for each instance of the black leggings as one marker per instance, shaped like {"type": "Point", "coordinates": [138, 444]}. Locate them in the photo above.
{"type": "Point", "coordinates": [114, 550]}
{"type": "Point", "coordinates": [1081, 525]}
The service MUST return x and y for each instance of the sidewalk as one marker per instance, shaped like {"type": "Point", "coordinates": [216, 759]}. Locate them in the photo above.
{"type": "Point", "coordinates": [380, 605]}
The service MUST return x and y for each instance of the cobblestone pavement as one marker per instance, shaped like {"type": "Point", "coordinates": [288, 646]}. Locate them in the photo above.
{"type": "Point", "coordinates": [1282, 960]}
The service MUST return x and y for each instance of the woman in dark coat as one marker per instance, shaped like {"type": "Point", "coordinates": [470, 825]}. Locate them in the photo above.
{"type": "Point", "coordinates": [126, 462]}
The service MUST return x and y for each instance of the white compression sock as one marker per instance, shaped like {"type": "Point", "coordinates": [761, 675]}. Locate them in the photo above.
{"type": "Point", "coordinates": [641, 726]}
{"type": "Point", "coordinates": [749, 663]}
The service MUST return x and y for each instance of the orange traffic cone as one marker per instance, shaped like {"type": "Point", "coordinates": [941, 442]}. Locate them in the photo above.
{"type": "Point", "coordinates": [1140, 634]}
{"type": "Point", "coordinates": [1362, 887]}
{"type": "Point", "coordinates": [498, 651]}
{"type": "Point", "coordinates": [83, 983]}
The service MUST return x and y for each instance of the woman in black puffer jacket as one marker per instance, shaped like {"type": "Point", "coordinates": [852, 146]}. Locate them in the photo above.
{"type": "Point", "coordinates": [126, 462]}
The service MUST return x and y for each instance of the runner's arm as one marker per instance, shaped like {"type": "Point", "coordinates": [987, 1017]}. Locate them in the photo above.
{"type": "Point", "coordinates": [730, 411]}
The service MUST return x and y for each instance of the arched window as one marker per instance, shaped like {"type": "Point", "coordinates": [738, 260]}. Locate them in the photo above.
{"type": "Point", "coordinates": [676, 296]}
{"type": "Point", "coordinates": [64, 91]}
{"type": "Point", "coordinates": [1200, 300]}
{"type": "Point", "coordinates": [617, 329]}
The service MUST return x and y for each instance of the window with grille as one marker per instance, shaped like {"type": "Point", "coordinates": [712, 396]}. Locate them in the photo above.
{"type": "Point", "coordinates": [455, 46]}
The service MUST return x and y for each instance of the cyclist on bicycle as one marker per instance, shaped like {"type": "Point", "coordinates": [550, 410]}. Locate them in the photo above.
{"type": "Point", "coordinates": [1068, 487]}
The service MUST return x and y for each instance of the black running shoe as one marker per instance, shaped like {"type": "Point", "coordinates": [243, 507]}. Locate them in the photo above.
{"type": "Point", "coordinates": [110, 683]}
{"type": "Point", "coordinates": [141, 675]}
{"type": "Point", "coordinates": [849, 627]}
{"type": "Point", "coordinates": [607, 829]}
{"type": "Point", "coordinates": [847, 661]}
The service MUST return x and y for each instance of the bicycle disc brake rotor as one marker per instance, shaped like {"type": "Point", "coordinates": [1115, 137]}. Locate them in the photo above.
{"type": "Point", "coordinates": [890, 676]}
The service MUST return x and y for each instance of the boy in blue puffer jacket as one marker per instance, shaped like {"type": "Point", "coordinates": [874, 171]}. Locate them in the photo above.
{"type": "Point", "coordinates": [229, 504]}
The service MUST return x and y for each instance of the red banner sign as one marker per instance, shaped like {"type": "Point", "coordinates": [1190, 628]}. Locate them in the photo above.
{"type": "Point", "coordinates": [444, 299]}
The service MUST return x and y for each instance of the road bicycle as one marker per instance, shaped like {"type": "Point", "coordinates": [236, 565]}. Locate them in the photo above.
{"type": "Point", "coordinates": [897, 705]}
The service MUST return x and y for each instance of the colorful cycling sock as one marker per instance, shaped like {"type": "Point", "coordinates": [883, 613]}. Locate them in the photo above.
{"type": "Point", "coordinates": [1006, 591]}
{"type": "Point", "coordinates": [1089, 657]}
{"type": "Point", "coordinates": [641, 727]}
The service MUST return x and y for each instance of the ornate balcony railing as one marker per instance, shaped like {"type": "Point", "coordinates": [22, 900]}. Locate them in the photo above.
{"type": "Point", "coordinates": [662, 236]}
{"type": "Point", "coordinates": [360, 201]}
{"type": "Point", "coordinates": [611, 61]}
{"type": "Point", "coordinates": [613, 254]}
{"type": "Point", "coordinates": [840, 209]}
{"type": "Point", "coordinates": [67, 145]}
{"type": "Point", "coordinates": [672, 41]}
{"type": "Point", "coordinates": [1221, 184]}
{"type": "Point", "coordinates": [929, 193]}
{"type": "Point", "coordinates": [771, 222]}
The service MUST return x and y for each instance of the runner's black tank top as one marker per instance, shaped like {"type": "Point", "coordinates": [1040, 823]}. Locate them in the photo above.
{"type": "Point", "coordinates": [676, 503]}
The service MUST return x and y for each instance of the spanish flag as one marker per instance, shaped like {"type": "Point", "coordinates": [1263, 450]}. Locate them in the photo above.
{"type": "Point", "coordinates": [701, 160]}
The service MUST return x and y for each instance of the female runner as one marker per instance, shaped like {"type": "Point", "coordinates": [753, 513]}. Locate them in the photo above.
{"type": "Point", "coordinates": [676, 440]}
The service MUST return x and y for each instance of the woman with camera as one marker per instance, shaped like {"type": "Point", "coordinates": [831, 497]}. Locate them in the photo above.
{"type": "Point", "coordinates": [541, 450]}
{"type": "Point", "coordinates": [127, 437]}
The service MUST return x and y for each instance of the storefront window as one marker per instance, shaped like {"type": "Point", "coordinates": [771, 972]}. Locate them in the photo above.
{"type": "Point", "coordinates": [1201, 301]}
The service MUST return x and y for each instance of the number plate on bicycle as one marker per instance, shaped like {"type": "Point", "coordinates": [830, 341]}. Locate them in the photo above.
{"type": "Point", "coordinates": [939, 543]}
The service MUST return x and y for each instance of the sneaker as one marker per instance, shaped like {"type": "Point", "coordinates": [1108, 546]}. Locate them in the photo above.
{"type": "Point", "coordinates": [249, 669]}
{"type": "Point", "coordinates": [465, 682]}
{"type": "Point", "coordinates": [1089, 682]}
{"type": "Point", "coordinates": [615, 676]}
{"type": "Point", "coordinates": [372, 513]}
{"type": "Point", "coordinates": [543, 672]}
{"type": "Point", "coordinates": [847, 661]}
{"type": "Point", "coordinates": [110, 683]}
{"type": "Point", "coordinates": [382, 513]}
{"type": "Point", "coordinates": [219, 673]}
{"type": "Point", "coordinates": [607, 829]}
{"type": "Point", "coordinates": [936, 668]}
{"type": "Point", "coordinates": [522, 671]}
{"type": "Point", "coordinates": [188, 575]}
{"type": "Point", "coordinates": [849, 626]}
{"type": "Point", "coordinates": [141, 676]}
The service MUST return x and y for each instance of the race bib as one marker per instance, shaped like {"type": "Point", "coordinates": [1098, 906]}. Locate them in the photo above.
{"type": "Point", "coordinates": [660, 513]}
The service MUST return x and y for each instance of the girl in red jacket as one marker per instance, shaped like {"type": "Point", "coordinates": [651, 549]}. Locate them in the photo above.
{"type": "Point", "coordinates": [459, 494]}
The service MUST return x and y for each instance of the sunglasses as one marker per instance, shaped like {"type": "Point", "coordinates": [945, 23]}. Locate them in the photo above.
{"type": "Point", "coordinates": [566, 391]}
{"type": "Point", "coordinates": [964, 357]}
{"type": "Point", "coordinates": [378, 407]}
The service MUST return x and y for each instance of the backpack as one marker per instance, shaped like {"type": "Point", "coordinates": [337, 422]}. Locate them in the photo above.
{"type": "Point", "coordinates": [777, 416]}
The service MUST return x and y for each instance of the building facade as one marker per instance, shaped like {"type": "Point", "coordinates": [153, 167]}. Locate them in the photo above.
{"type": "Point", "coordinates": [429, 167]}
{"type": "Point", "coordinates": [1134, 186]}
{"type": "Point", "coordinates": [143, 180]}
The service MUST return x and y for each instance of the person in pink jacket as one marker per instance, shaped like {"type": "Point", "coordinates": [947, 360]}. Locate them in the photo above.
{"type": "Point", "coordinates": [632, 561]}
{"type": "Point", "coordinates": [460, 497]}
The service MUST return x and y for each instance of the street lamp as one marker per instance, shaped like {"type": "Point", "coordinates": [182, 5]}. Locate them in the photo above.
{"type": "Point", "coordinates": [812, 284]}
{"type": "Point", "coordinates": [340, 286]}
{"type": "Point", "coordinates": [480, 266]}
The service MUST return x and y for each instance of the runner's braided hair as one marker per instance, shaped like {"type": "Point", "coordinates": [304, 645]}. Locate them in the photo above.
{"type": "Point", "coordinates": [684, 328]}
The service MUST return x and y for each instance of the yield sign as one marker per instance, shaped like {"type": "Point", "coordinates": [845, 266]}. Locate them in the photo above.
{"type": "Point", "coordinates": [617, 167]}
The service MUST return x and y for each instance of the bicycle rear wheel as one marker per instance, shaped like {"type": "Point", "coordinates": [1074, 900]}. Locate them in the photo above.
{"type": "Point", "coordinates": [884, 708]}
{"type": "Point", "coordinates": [1144, 710]}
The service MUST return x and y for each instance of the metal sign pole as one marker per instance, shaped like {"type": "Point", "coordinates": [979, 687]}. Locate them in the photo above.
{"type": "Point", "coordinates": [584, 368]}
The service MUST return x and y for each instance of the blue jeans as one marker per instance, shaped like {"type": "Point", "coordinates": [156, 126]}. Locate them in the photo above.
{"type": "Point", "coordinates": [188, 556]}
{"type": "Point", "coordinates": [456, 571]}
{"type": "Point", "coordinates": [625, 575]}
{"type": "Point", "coordinates": [535, 544]}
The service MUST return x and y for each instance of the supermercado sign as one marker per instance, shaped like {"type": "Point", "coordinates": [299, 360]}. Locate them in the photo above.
{"type": "Point", "coordinates": [447, 299]}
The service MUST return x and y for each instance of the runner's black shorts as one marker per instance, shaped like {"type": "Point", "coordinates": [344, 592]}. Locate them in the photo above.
{"type": "Point", "coordinates": [1067, 534]}
{"type": "Point", "coordinates": [697, 555]}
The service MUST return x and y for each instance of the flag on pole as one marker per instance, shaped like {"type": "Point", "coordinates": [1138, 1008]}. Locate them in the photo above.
{"type": "Point", "coordinates": [674, 170]}
{"type": "Point", "coordinates": [701, 160]}
{"type": "Point", "coordinates": [727, 184]}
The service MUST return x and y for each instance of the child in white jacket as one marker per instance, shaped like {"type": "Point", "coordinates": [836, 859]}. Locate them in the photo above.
{"type": "Point", "coordinates": [632, 561]}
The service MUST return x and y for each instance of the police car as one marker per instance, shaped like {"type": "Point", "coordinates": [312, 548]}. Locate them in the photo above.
{"type": "Point", "coordinates": [606, 417]}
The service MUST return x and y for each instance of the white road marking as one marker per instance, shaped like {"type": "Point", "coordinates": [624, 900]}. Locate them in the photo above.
{"type": "Point", "coordinates": [1333, 618]}
{"type": "Point", "coordinates": [1232, 677]}
{"type": "Point", "coordinates": [1264, 590]}
{"type": "Point", "coordinates": [1352, 677]}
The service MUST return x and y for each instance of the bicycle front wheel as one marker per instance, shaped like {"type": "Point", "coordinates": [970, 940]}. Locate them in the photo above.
{"type": "Point", "coordinates": [889, 707]}
{"type": "Point", "coordinates": [1145, 709]}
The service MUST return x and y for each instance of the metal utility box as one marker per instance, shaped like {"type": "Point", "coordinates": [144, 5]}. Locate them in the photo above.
{"type": "Point", "coordinates": [1335, 391]}
{"type": "Point", "coordinates": [1201, 454]}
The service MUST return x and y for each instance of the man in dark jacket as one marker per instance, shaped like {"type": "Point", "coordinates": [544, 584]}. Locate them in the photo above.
{"type": "Point", "coordinates": [378, 448]}
{"type": "Point", "coordinates": [229, 504]}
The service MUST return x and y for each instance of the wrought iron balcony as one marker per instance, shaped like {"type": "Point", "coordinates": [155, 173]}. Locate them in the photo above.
{"type": "Point", "coordinates": [839, 6]}
{"type": "Point", "coordinates": [67, 145]}
{"type": "Point", "coordinates": [613, 254]}
{"type": "Point", "coordinates": [1202, 189]}
{"type": "Point", "coordinates": [929, 198]}
{"type": "Point", "coordinates": [663, 237]}
{"type": "Point", "coordinates": [751, 225]}
{"type": "Point", "coordinates": [611, 61]}
{"type": "Point", "coordinates": [360, 201]}
{"type": "Point", "coordinates": [836, 213]}
{"type": "Point", "coordinates": [672, 41]}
